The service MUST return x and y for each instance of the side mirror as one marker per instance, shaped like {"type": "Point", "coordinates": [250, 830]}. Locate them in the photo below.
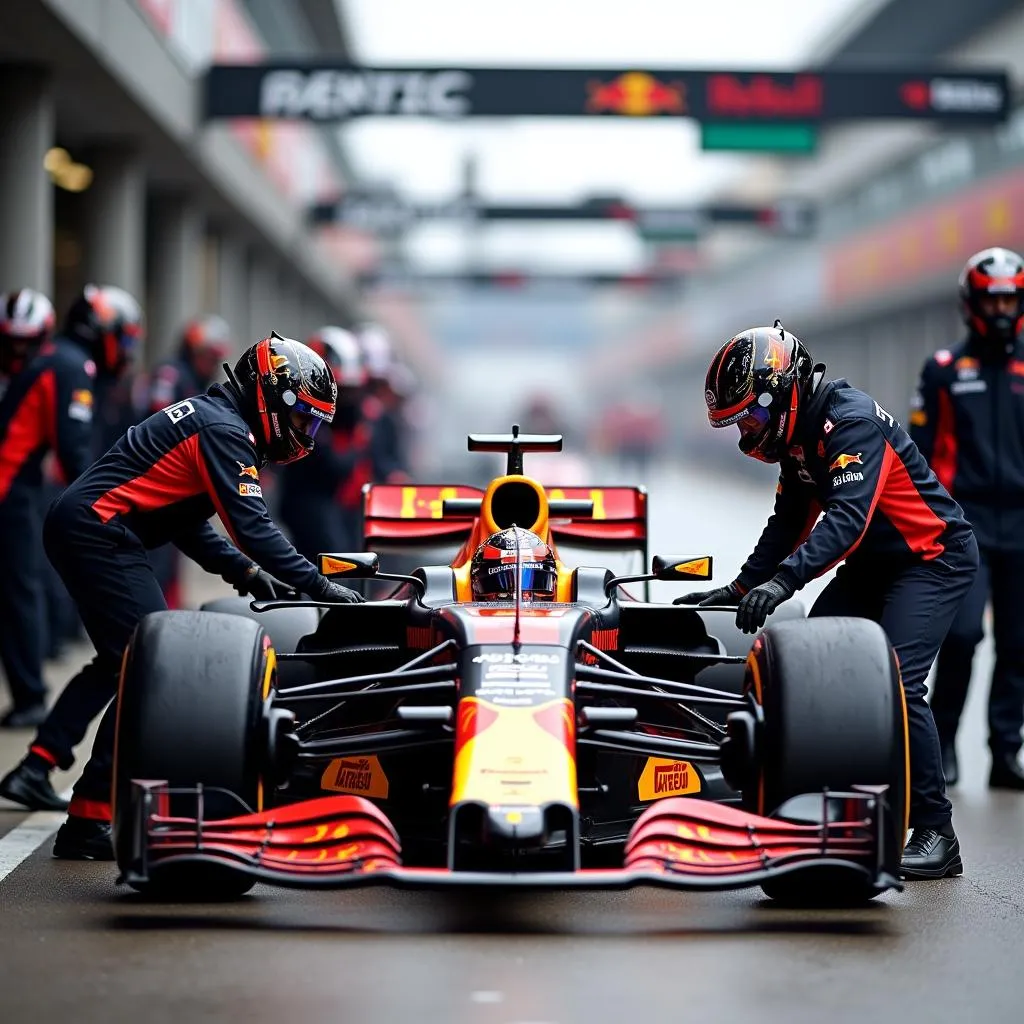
{"type": "Point", "coordinates": [356, 565]}
{"type": "Point", "coordinates": [672, 567]}
{"type": "Point", "coordinates": [676, 568]}
{"type": "Point", "coordinates": [363, 565]}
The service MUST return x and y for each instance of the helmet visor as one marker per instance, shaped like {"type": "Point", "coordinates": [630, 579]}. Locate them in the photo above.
{"type": "Point", "coordinates": [754, 422]}
{"type": "Point", "coordinates": [500, 582]}
{"type": "Point", "coordinates": [305, 420]}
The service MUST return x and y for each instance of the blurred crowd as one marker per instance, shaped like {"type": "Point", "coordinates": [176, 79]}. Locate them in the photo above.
{"type": "Point", "coordinates": [68, 394]}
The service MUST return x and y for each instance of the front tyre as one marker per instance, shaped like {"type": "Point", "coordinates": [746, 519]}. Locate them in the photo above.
{"type": "Point", "coordinates": [834, 717]}
{"type": "Point", "coordinates": [189, 705]}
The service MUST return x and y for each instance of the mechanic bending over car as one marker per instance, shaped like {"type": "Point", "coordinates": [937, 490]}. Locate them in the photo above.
{"type": "Point", "coordinates": [909, 554]}
{"type": "Point", "coordinates": [968, 420]}
{"type": "Point", "coordinates": [47, 406]}
{"type": "Point", "coordinates": [162, 482]}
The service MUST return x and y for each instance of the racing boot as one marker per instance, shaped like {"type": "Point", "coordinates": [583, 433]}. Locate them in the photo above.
{"type": "Point", "coordinates": [931, 853]}
{"type": "Point", "coordinates": [1006, 772]}
{"type": "Point", "coordinates": [84, 839]}
{"type": "Point", "coordinates": [950, 765]}
{"type": "Point", "coordinates": [29, 785]}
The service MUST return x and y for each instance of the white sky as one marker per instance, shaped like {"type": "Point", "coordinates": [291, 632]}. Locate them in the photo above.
{"type": "Point", "coordinates": [565, 160]}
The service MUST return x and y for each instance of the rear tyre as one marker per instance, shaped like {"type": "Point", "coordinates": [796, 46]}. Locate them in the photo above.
{"type": "Point", "coordinates": [834, 717]}
{"type": "Point", "coordinates": [189, 707]}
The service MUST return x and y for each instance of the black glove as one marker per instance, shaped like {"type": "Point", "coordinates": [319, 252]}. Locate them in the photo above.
{"type": "Point", "coordinates": [334, 593]}
{"type": "Point", "coordinates": [261, 585]}
{"type": "Point", "coordinates": [761, 602]}
{"type": "Point", "coordinates": [730, 594]}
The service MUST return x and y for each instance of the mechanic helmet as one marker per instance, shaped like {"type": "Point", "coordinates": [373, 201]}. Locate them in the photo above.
{"type": "Point", "coordinates": [26, 321]}
{"type": "Point", "coordinates": [286, 391]}
{"type": "Point", "coordinates": [992, 273]}
{"type": "Point", "coordinates": [108, 322]}
{"type": "Point", "coordinates": [206, 343]}
{"type": "Point", "coordinates": [378, 352]}
{"type": "Point", "coordinates": [755, 381]}
{"type": "Point", "coordinates": [496, 563]}
{"type": "Point", "coordinates": [341, 351]}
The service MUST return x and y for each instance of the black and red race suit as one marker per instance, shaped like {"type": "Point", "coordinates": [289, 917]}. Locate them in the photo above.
{"type": "Point", "coordinates": [968, 421]}
{"type": "Point", "coordinates": [909, 555]}
{"type": "Point", "coordinates": [162, 482]}
{"type": "Point", "coordinates": [47, 407]}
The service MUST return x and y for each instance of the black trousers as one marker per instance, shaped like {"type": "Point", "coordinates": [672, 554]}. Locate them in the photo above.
{"type": "Point", "coordinates": [22, 599]}
{"type": "Point", "coordinates": [999, 578]}
{"type": "Point", "coordinates": [106, 571]}
{"type": "Point", "coordinates": [914, 605]}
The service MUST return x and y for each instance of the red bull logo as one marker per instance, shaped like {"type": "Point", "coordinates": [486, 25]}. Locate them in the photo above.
{"type": "Point", "coordinates": [250, 471]}
{"type": "Point", "coordinates": [845, 460]}
{"type": "Point", "coordinates": [636, 94]}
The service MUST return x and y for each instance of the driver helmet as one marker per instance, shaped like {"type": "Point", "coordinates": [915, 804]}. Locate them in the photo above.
{"type": "Point", "coordinates": [755, 382]}
{"type": "Point", "coordinates": [26, 321]}
{"type": "Point", "coordinates": [497, 562]}
{"type": "Point", "coordinates": [992, 296]}
{"type": "Point", "coordinates": [286, 391]}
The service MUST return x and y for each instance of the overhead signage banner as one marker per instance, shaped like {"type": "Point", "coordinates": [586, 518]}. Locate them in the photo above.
{"type": "Point", "coordinates": [337, 92]}
{"type": "Point", "coordinates": [514, 279]}
{"type": "Point", "coordinates": [388, 214]}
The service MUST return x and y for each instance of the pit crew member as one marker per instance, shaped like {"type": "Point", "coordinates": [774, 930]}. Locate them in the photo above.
{"type": "Point", "coordinates": [48, 406]}
{"type": "Point", "coordinates": [909, 556]}
{"type": "Point", "coordinates": [162, 482]}
{"type": "Point", "coordinates": [968, 420]}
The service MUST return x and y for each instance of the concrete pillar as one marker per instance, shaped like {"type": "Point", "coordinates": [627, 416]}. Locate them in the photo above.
{"type": "Point", "coordinates": [114, 220]}
{"type": "Point", "coordinates": [233, 288]}
{"type": "Point", "coordinates": [26, 192]}
{"type": "Point", "coordinates": [175, 248]}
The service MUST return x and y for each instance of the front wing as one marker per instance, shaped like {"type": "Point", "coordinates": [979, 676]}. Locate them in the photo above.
{"type": "Point", "coordinates": [342, 841]}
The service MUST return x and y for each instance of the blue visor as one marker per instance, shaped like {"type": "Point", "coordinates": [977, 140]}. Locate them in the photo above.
{"type": "Point", "coordinates": [756, 420]}
{"type": "Point", "coordinates": [305, 419]}
{"type": "Point", "coordinates": [501, 579]}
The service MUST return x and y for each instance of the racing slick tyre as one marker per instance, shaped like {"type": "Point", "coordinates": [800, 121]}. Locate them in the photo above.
{"type": "Point", "coordinates": [189, 706]}
{"type": "Point", "coordinates": [286, 626]}
{"type": "Point", "coordinates": [834, 717]}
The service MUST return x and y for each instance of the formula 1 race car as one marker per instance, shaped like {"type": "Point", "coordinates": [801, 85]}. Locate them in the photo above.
{"type": "Point", "coordinates": [430, 740]}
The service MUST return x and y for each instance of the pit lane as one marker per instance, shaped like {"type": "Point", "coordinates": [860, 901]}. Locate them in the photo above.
{"type": "Point", "coordinates": [76, 948]}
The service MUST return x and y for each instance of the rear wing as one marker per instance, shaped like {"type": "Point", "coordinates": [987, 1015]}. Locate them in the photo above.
{"type": "Point", "coordinates": [398, 515]}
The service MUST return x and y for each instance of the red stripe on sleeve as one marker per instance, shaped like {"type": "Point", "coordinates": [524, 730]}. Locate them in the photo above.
{"type": "Point", "coordinates": [170, 479]}
{"type": "Point", "coordinates": [944, 451]}
{"type": "Point", "coordinates": [32, 426]}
